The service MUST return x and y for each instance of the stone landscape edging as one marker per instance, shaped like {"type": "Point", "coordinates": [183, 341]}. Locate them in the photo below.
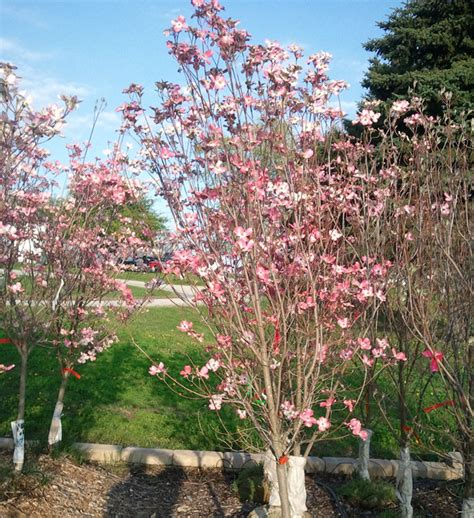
{"type": "Point", "coordinates": [379, 468]}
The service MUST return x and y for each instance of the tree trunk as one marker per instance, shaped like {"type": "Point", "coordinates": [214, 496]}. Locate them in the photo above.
{"type": "Point", "coordinates": [405, 483]}
{"type": "Point", "coordinates": [364, 457]}
{"type": "Point", "coordinates": [18, 426]}
{"type": "Point", "coordinates": [468, 495]}
{"type": "Point", "coordinates": [468, 445]}
{"type": "Point", "coordinates": [287, 481]}
{"type": "Point", "coordinates": [282, 477]}
{"type": "Point", "coordinates": [55, 430]}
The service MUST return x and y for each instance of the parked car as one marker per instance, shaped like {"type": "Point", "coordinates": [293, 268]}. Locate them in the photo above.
{"type": "Point", "coordinates": [157, 264]}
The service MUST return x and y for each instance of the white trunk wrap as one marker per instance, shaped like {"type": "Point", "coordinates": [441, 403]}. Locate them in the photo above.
{"type": "Point", "coordinates": [405, 483]}
{"type": "Point", "coordinates": [18, 431]}
{"type": "Point", "coordinates": [55, 430]}
{"type": "Point", "coordinates": [364, 457]}
{"type": "Point", "coordinates": [296, 483]}
{"type": "Point", "coordinates": [297, 486]}
{"type": "Point", "coordinates": [467, 508]}
{"type": "Point", "coordinates": [269, 470]}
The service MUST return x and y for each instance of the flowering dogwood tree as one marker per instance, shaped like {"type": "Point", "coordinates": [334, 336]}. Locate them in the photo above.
{"type": "Point", "coordinates": [58, 256]}
{"type": "Point", "coordinates": [81, 249]}
{"type": "Point", "coordinates": [24, 194]}
{"type": "Point", "coordinates": [425, 229]}
{"type": "Point", "coordinates": [267, 205]}
{"type": "Point", "coordinates": [429, 309]}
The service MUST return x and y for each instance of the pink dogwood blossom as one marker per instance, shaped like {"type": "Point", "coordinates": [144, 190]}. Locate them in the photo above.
{"type": "Point", "coordinates": [307, 417]}
{"type": "Point", "coordinates": [323, 424]}
{"type": "Point", "coordinates": [366, 118]}
{"type": "Point", "coordinates": [157, 369]}
{"type": "Point", "coordinates": [185, 326]}
{"type": "Point", "coordinates": [356, 428]}
{"type": "Point", "coordinates": [179, 24]}
{"type": "Point", "coordinates": [187, 371]}
{"type": "Point", "coordinates": [435, 359]}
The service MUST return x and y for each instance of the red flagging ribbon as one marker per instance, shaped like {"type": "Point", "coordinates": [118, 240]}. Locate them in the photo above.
{"type": "Point", "coordinates": [276, 341]}
{"type": "Point", "coordinates": [74, 373]}
{"type": "Point", "coordinates": [5, 341]}
{"type": "Point", "coordinates": [429, 409]}
{"type": "Point", "coordinates": [283, 459]}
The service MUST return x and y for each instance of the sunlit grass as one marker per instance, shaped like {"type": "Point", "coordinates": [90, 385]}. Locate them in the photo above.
{"type": "Point", "coordinates": [116, 401]}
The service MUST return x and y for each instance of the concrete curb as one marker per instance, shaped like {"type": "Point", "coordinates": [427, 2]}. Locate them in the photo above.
{"type": "Point", "coordinates": [378, 468]}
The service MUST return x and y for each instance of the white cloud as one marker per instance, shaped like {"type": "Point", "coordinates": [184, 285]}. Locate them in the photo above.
{"type": "Point", "coordinates": [78, 125]}
{"type": "Point", "coordinates": [13, 51]}
{"type": "Point", "coordinates": [24, 15]}
{"type": "Point", "coordinates": [42, 87]}
{"type": "Point", "coordinates": [109, 119]}
{"type": "Point", "coordinates": [45, 90]}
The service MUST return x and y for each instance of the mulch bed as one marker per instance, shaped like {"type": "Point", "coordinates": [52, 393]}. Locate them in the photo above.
{"type": "Point", "coordinates": [62, 488]}
{"type": "Point", "coordinates": [431, 499]}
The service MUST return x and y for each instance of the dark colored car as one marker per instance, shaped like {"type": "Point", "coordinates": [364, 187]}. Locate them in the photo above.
{"type": "Point", "coordinates": [157, 264]}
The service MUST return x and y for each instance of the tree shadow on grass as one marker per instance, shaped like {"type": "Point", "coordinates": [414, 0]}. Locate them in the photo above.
{"type": "Point", "coordinates": [164, 492]}
{"type": "Point", "coordinates": [116, 401]}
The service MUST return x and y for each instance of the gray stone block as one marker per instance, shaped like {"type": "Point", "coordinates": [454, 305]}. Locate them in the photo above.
{"type": "Point", "coordinates": [339, 465]}
{"type": "Point", "coordinates": [315, 465]}
{"type": "Point", "coordinates": [455, 460]}
{"type": "Point", "coordinates": [394, 464]}
{"type": "Point", "coordinates": [236, 460]}
{"type": "Point", "coordinates": [441, 471]}
{"type": "Point", "coordinates": [106, 453]}
{"type": "Point", "coordinates": [257, 458]}
{"type": "Point", "coordinates": [198, 459]}
{"type": "Point", "coordinates": [380, 468]}
{"type": "Point", "coordinates": [6, 443]}
{"type": "Point", "coordinates": [419, 469]}
{"type": "Point", "coordinates": [148, 456]}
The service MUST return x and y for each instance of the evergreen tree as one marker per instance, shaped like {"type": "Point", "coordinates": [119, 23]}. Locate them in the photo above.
{"type": "Point", "coordinates": [428, 43]}
{"type": "Point", "coordinates": [144, 220]}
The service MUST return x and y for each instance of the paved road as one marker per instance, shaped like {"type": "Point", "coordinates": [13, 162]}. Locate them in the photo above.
{"type": "Point", "coordinates": [179, 290]}
{"type": "Point", "coordinates": [180, 295]}
{"type": "Point", "coordinates": [154, 303]}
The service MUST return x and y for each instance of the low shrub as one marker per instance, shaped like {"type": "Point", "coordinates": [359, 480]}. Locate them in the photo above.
{"type": "Point", "coordinates": [374, 494]}
{"type": "Point", "coordinates": [251, 486]}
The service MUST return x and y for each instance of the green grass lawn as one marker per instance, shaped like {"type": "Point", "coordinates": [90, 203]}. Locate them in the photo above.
{"type": "Point", "coordinates": [137, 291]}
{"type": "Point", "coordinates": [140, 293]}
{"type": "Point", "coordinates": [137, 276]}
{"type": "Point", "coordinates": [116, 401]}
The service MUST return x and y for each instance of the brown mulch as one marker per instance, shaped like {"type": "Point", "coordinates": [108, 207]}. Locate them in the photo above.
{"type": "Point", "coordinates": [62, 488]}
{"type": "Point", "coordinates": [437, 499]}
{"type": "Point", "coordinates": [431, 498]}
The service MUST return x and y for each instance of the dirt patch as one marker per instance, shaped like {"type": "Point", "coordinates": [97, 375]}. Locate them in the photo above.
{"type": "Point", "coordinates": [63, 488]}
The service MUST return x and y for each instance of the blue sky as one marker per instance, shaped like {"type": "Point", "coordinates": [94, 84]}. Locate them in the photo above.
{"type": "Point", "coordinates": [96, 48]}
